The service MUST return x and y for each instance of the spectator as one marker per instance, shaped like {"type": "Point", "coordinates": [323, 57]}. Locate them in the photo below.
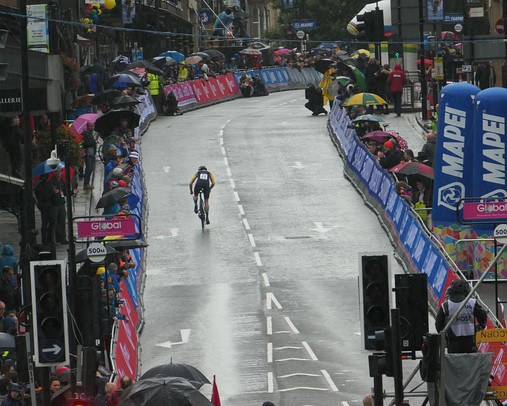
{"type": "Point", "coordinates": [8, 259]}
{"type": "Point", "coordinates": [391, 156]}
{"type": "Point", "coordinates": [223, 23]}
{"type": "Point", "coordinates": [404, 191]}
{"type": "Point", "coordinates": [58, 202]}
{"type": "Point", "coordinates": [54, 385]}
{"type": "Point", "coordinates": [8, 291]}
{"type": "Point", "coordinates": [11, 323]}
{"type": "Point", "coordinates": [14, 397]}
{"type": "Point", "coordinates": [315, 100]}
{"type": "Point", "coordinates": [370, 73]}
{"type": "Point", "coordinates": [245, 85]}
{"type": "Point", "coordinates": [42, 192]}
{"type": "Point", "coordinates": [461, 334]}
{"type": "Point", "coordinates": [89, 148]}
{"type": "Point", "coordinates": [171, 105]}
{"type": "Point", "coordinates": [259, 89]}
{"type": "Point", "coordinates": [396, 80]}
{"type": "Point", "coordinates": [12, 139]}
{"type": "Point", "coordinates": [408, 156]}
{"type": "Point", "coordinates": [427, 153]}
{"type": "Point", "coordinates": [381, 87]}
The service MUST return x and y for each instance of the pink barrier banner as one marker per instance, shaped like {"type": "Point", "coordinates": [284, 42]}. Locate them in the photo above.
{"type": "Point", "coordinates": [228, 83]}
{"type": "Point", "coordinates": [105, 228]}
{"type": "Point", "coordinates": [126, 339]}
{"type": "Point", "coordinates": [184, 92]}
{"type": "Point", "coordinates": [485, 211]}
{"type": "Point", "coordinates": [201, 91]}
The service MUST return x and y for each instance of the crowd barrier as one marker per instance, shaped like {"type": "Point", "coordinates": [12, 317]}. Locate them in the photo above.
{"type": "Point", "coordinates": [414, 245]}
{"type": "Point", "coordinates": [202, 92]}
{"type": "Point", "coordinates": [191, 94]}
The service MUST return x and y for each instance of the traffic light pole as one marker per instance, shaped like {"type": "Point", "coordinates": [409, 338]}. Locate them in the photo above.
{"type": "Point", "coordinates": [424, 85]}
{"type": "Point", "coordinates": [397, 363]}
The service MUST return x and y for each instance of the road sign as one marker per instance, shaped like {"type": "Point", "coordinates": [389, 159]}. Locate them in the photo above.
{"type": "Point", "coordinates": [304, 24]}
{"type": "Point", "coordinates": [466, 68]}
{"type": "Point", "coordinates": [499, 26]}
{"type": "Point", "coordinates": [500, 234]}
{"type": "Point", "coordinates": [51, 350]}
{"type": "Point", "coordinates": [438, 63]}
{"type": "Point", "coordinates": [493, 335]}
{"type": "Point", "coordinates": [458, 28]}
{"type": "Point", "coordinates": [105, 228]}
{"type": "Point", "coordinates": [300, 34]}
{"type": "Point", "coordinates": [96, 252]}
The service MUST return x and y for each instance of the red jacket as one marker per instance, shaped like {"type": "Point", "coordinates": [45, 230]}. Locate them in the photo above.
{"type": "Point", "coordinates": [397, 79]}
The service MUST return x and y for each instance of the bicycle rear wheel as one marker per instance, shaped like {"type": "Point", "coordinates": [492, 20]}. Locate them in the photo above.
{"type": "Point", "coordinates": [202, 215]}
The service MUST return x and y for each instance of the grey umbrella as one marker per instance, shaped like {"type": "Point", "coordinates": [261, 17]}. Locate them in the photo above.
{"type": "Point", "coordinates": [7, 341]}
{"type": "Point", "coordinates": [125, 101]}
{"type": "Point", "coordinates": [189, 372]}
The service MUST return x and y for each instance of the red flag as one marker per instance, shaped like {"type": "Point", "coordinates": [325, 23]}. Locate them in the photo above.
{"type": "Point", "coordinates": [215, 397]}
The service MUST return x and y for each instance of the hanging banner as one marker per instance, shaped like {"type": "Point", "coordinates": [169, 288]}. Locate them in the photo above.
{"type": "Point", "coordinates": [37, 27]}
{"type": "Point", "coordinates": [435, 10]}
{"type": "Point", "coordinates": [128, 11]}
{"type": "Point", "coordinates": [453, 154]}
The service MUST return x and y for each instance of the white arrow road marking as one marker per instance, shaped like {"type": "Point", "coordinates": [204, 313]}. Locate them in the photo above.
{"type": "Point", "coordinates": [321, 228]}
{"type": "Point", "coordinates": [174, 233]}
{"type": "Point", "coordinates": [270, 298]}
{"type": "Point", "coordinates": [55, 349]}
{"type": "Point", "coordinates": [298, 165]}
{"type": "Point", "coordinates": [185, 335]}
{"type": "Point", "coordinates": [329, 380]}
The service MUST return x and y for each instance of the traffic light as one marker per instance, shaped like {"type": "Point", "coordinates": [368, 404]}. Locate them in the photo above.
{"type": "Point", "coordinates": [372, 25]}
{"type": "Point", "coordinates": [412, 301]}
{"type": "Point", "coordinates": [395, 50]}
{"type": "Point", "coordinates": [375, 296]}
{"type": "Point", "coordinates": [49, 311]}
{"type": "Point", "coordinates": [384, 362]}
{"type": "Point", "coordinates": [431, 354]}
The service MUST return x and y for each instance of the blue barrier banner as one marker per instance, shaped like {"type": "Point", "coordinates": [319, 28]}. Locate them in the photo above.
{"type": "Point", "coordinates": [453, 156]}
{"type": "Point", "coordinates": [489, 143]}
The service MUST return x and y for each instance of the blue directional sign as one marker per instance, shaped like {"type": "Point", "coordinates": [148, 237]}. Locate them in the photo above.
{"type": "Point", "coordinates": [304, 24]}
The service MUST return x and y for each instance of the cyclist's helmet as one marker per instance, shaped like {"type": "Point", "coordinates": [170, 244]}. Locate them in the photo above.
{"type": "Point", "coordinates": [202, 168]}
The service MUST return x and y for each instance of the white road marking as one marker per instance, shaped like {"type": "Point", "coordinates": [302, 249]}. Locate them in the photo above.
{"type": "Point", "coordinates": [228, 170]}
{"type": "Point", "coordinates": [309, 350]}
{"type": "Point", "coordinates": [266, 280]}
{"type": "Point", "coordinates": [174, 233]}
{"type": "Point", "coordinates": [221, 132]}
{"type": "Point", "coordinates": [270, 298]}
{"type": "Point", "coordinates": [223, 151]}
{"type": "Point", "coordinates": [270, 382]}
{"type": "Point", "coordinates": [291, 325]}
{"type": "Point", "coordinates": [292, 359]}
{"type": "Point", "coordinates": [298, 165]}
{"type": "Point", "coordinates": [270, 352]}
{"type": "Point", "coordinates": [236, 196]}
{"type": "Point", "coordinates": [221, 140]}
{"type": "Point", "coordinates": [321, 228]}
{"type": "Point", "coordinates": [302, 387]}
{"type": "Point", "coordinates": [185, 335]}
{"type": "Point", "coordinates": [257, 259]}
{"type": "Point", "coordinates": [329, 380]}
{"type": "Point", "coordinates": [252, 241]}
{"type": "Point", "coordinates": [287, 347]}
{"type": "Point", "coordinates": [297, 374]}
{"type": "Point", "coordinates": [245, 223]}
{"type": "Point", "coordinates": [240, 207]}
{"type": "Point", "coordinates": [231, 182]}
{"type": "Point", "coordinates": [167, 169]}
{"type": "Point", "coordinates": [269, 325]}
{"type": "Point", "coordinates": [226, 161]}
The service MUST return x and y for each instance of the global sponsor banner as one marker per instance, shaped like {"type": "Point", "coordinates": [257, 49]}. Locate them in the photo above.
{"type": "Point", "coordinates": [453, 153]}
{"type": "Point", "coordinates": [104, 228]}
{"type": "Point", "coordinates": [127, 340]}
{"type": "Point", "coordinates": [184, 92]}
{"type": "Point", "coordinates": [485, 211]}
{"type": "Point", "coordinates": [489, 148]}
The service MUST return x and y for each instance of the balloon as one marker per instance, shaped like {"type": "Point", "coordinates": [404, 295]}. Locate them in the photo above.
{"type": "Point", "coordinates": [110, 4]}
{"type": "Point", "coordinates": [93, 13]}
{"type": "Point", "coordinates": [86, 20]}
{"type": "Point", "coordinates": [99, 11]}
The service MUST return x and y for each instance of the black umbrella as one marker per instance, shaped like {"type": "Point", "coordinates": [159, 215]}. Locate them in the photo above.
{"type": "Point", "coordinates": [150, 68]}
{"type": "Point", "coordinates": [7, 341]}
{"type": "Point", "coordinates": [82, 255]}
{"type": "Point", "coordinates": [106, 123]}
{"type": "Point", "coordinates": [125, 101]}
{"type": "Point", "coordinates": [128, 244]}
{"type": "Point", "coordinates": [105, 96]}
{"type": "Point", "coordinates": [189, 372]}
{"type": "Point", "coordinates": [161, 61]}
{"type": "Point", "coordinates": [322, 65]}
{"type": "Point", "coordinates": [215, 53]}
{"type": "Point", "coordinates": [112, 196]}
{"type": "Point", "coordinates": [203, 55]}
{"type": "Point", "coordinates": [124, 80]}
{"type": "Point", "coordinates": [163, 392]}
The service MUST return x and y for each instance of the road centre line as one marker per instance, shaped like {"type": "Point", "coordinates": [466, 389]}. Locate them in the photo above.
{"type": "Point", "coordinates": [221, 132]}
{"type": "Point", "coordinates": [329, 380]}
{"type": "Point", "coordinates": [291, 325]}
{"type": "Point", "coordinates": [270, 298]}
{"type": "Point", "coordinates": [270, 382]}
{"type": "Point", "coordinates": [222, 140]}
{"type": "Point", "coordinates": [228, 170]}
{"type": "Point", "coordinates": [252, 241]}
{"type": "Point", "coordinates": [258, 259]}
{"type": "Point", "coordinates": [233, 185]}
{"type": "Point", "coordinates": [223, 151]}
{"type": "Point", "coordinates": [226, 161]}
{"type": "Point", "coordinates": [241, 211]}
{"type": "Point", "coordinates": [270, 353]}
{"type": "Point", "coordinates": [245, 223]}
{"type": "Point", "coordinates": [266, 280]}
{"type": "Point", "coordinates": [236, 196]}
{"type": "Point", "coordinates": [312, 354]}
{"type": "Point", "coordinates": [269, 325]}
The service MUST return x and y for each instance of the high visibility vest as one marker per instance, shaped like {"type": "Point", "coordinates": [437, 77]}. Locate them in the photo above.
{"type": "Point", "coordinates": [464, 323]}
{"type": "Point", "coordinates": [153, 87]}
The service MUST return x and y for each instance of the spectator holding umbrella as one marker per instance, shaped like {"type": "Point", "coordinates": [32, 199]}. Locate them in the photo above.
{"type": "Point", "coordinates": [89, 148]}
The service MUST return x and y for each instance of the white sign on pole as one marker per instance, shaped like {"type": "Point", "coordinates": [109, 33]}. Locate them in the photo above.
{"type": "Point", "coordinates": [96, 252]}
{"type": "Point", "coordinates": [300, 34]}
{"type": "Point", "coordinates": [37, 27]}
{"type": "Point", "coordinates": [500, 233]}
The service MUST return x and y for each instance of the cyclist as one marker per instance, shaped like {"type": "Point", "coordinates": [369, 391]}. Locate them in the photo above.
{"type": "Point", "coordinates": [205, 182]}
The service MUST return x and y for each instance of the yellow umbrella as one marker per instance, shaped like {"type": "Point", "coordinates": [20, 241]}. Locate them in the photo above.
{"type": "Point", "coordinates": [364, 53]}
{"type": "Point", "coordinates": [364, 99]}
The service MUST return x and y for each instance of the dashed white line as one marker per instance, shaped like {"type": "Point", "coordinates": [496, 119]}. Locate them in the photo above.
{"type": "Point", "coordinates": [231, 182]}
{"type": "Point", "coordinates": [221, 140]}
{"type": "Point", "coordinates": [240, 207]}
{"type": "Point", "coordinates": [309, 350]}
{"type": "Point", "coordinates": [226, 161]}
{"type": "Point", "coordinates": [269, 325]}
{"type": "Point", "coordinates": [223, 151]}
{"type": "Point", "coordinates": [257, 259]}
{"type": "Point", "coordinates": [228, 170]}
{"type": "Point", "coordinates": [329, 380]}
{"type": "Point", "coordinates": [245, 223]}
{"type": "Point", "coordinates": [221, 132]}
{"type": "Point", "coordinates": [270, 352]}
{"type": "Point", "coordinates": [291, 325]}
{"type": "Point", "coordinates": [270, 382]}
{"type": "Point", "coordinates": [236, 196]}
{"type": "Point", "coordinates": [270, 298]}
{"type": "Point", "coordinates": [266, 280]}
{"type": "Point", "coordinates": [252, 241]}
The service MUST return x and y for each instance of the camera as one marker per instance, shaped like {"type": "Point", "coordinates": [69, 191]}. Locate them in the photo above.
{"type": "Point", "coordinates": [53, 161]}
